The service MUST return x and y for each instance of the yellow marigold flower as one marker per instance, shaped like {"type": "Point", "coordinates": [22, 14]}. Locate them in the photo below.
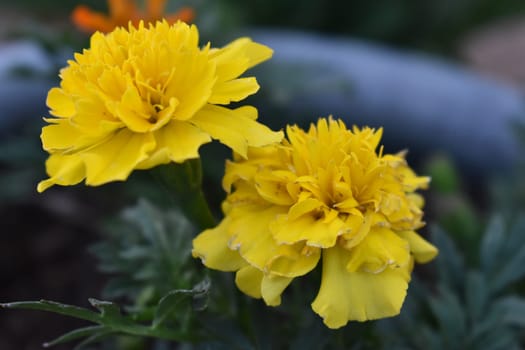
{"type": "Point", "coordinates": [146, 96]}
{"type": "Point", "coordinates": [121, 12]}
{"type": "Point", "coordinates": [322, 194]}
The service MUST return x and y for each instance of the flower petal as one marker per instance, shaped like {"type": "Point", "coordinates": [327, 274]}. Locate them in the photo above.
{"type": "Point", "coordinates": [117, 157]}
{"type": "Point", "coordinates": [249, 234]}
{"type": "Point", "coordinates": [314, 231]}
{"type": "Point", "coordinates": [238, 56]}
{"type": "Point", "coordinates": [380, 248]}
{"type": "Point", "coordinates": [211, 246]}
{"type": "Point", "coordinates": [422, 250]}
{"type": "Point", "coordinates": [234, 128]}
{"type": "Point", "coordinates": [62, 170]}
{"type": "Point", "coordinates": [61, 136]}
{"type": "Point", "coordinates": [177, 142]}
{"type": "Point", "coordinates": [256, 284]}
{"type": "Point", "coordinates": [358, 296]}
{"type": "Point", "coordinates": [61, 104]}
{"type": "Point", "coordinates": [248, 280]}
{"type": "Point", "coordinates": [233, 90]}
{"type": "Point", "coordinates": [272, 287]}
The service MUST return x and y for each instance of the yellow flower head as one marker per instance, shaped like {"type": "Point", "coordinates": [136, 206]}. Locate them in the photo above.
{"type": "Point", "coordinates": [325, 194]}
{"type": "Point", "coordinates": [146, 96]}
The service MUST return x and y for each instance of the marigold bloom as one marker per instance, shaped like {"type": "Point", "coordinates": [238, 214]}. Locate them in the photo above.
{"type": "Point", "coordinates": [148, 96]}
{"type": "Point", "coordinates": [324, 194]}
{"type": "Point", "coordinates": [121, 12]}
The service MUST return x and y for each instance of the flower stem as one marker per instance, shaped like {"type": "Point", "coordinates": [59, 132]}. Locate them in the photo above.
{"type": "Point", "coordinates": [184, 183]}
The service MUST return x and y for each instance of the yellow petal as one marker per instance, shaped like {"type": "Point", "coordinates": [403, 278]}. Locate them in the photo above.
{"type": "Point", "coordinates": [117, 157]}
{"type": "Point", "coordinates": [251, 236]}
{"type": "Point", "coordinates": [238, 56]}
{"type": "Point", "coordinates": [272, 287]}
{"type": "Point", "coordinates": [298, 260]}
{"type": "Point", "coordinates": [61, 104]}
{"type": "Point", "coordinates": [314, 231]}
{"type": "Point", "coordinates": [234, 128]}
{"type": "Point", "coordinates": [380, 248]}
{"type": "Point", "coordinates": [248, 280]}
{"type": "Point", "coordinates": [176, 141]}
{"type": "Point", "coordinates": [63, 170]}
{"type": "Point", "coordinates": [254, 283]}
{"type": "Point", "coordinates": [132, 111]}
{"type": "Point", "coordinates": [358, 296]}
{"type": "Point", "coordinates": [272, 185]}
{"type": "Point", "coordinates": [61, 135]}
{"type": "Point", "coordinates": [422, 250]}
{"type": "Point", "coordinates": [233, 90]}
{"type": "Point", "coordinates": [211, 246]}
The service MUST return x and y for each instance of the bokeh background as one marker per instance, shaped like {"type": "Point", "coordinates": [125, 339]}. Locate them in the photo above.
{"type": "Point", "coordinates": [444, 77]}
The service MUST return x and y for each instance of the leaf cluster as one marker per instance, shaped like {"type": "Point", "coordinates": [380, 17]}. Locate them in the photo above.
{"type": "Point", "coordinates": [477, 307]}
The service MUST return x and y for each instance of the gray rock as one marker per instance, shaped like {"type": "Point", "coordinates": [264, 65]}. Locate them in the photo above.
{"type": "Point", "coordinates": [425, 104]}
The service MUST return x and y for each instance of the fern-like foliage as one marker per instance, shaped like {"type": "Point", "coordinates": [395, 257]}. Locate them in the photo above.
{"type": "Point", "coordinates": [467, 307]}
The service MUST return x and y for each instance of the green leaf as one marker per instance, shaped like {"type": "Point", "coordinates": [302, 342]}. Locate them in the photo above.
{"type": "Point", "coordinates": [492, 245]}
{"type": "Point", "coordinates": [168, 304]}
{"type": "Point", "coordinates": [514, 310]}
{"type": "Point", "coordinates": [95, 338]}
{"type": "Point", "coordinates": [450, 266]}
{"type": "Point", "coordinates": [512, 259]}
{"type": "Point", "coordinates": [476, 294]}
{"type": "Point", "coordinates": [58, 308]}
{"type": "Point", "coordinates": [108, 310]}
{"type": "Point", "coordinates": [76, 334]}
{"type": "Point", "coordinates": [450, 315]}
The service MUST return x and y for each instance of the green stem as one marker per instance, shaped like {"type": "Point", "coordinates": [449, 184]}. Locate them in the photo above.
{"type": "Point", "coordinates": [184, 183]}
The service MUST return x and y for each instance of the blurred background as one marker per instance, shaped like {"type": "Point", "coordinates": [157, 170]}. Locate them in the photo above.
{"type": "Point", "coordinates": [445, 78]}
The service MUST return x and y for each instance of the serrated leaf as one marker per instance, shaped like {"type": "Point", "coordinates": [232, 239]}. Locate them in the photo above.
{"type": "Point", "coordinates": [75, 334]}
{"type": "Point", "coordinates": [516, 236]}
{"type": "Point", "coordinates": [450, 315]}
{"type": "Point", "coordinates": [52, 306]}
{"type": "Point", "coordinates": [492, 245]}
{"type": "Point", "coordinates": [502, 255]}
{"type": "Point", "coordinates": [514, 310]}
{"type": "Point", "coordinates": [95, 338]}
{"type": "Point", "coordinates": [136, 252]}
{"type": "Point", "coordinates": [168, 304]}
{"type": "Point", "coordinates": [108, 310]}
{"type": "Point", "coordinates": [450, 266]}
{"type": "Point", "coordinates": [511, 271]}
{"type": "Point", "coordinates": [476, 294]}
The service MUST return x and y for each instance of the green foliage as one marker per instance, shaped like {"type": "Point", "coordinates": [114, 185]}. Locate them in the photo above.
{"type": "Point", "coordinates": [110, 320]}
{"type": "Point", "coordinates": [148, 253]}
{"type": "Point", "coordinates": [472, 308]}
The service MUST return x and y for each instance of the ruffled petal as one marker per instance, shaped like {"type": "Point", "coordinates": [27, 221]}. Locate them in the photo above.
{"type": "Point", "coordinates": [358, 296]}
{"type": "Point", "coordinates": [63, 170]}
{"type": "Point", "coordinates": [211, 246]}
{"type": "Point", "coordinates": [234, 128]}
{"type": "Point", "coordinates": [233, 90]}
{"type": "Point", "coordinates": [272, 287]}
{"type": "Point", "coordinates": [315, 232]}
{"type": "Point", "coordinates": [248, 280]}
{"type": "Point", "coordinates": [177, 142]}
{"type": "Point", "coordinates": [61, 104]}
{"type": "Point", "coordinates": [61, 136]}
{"type": "Point", "coordinates": [422, 250]}
{"type": "Point", "coordinates": [250, 235]}
{"type": "Point", "coordinates": [117, 157]}
{"type": "Point", "coordinates": [380, 248]}
{"type": "Point", "coordinates": [238, 56]}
